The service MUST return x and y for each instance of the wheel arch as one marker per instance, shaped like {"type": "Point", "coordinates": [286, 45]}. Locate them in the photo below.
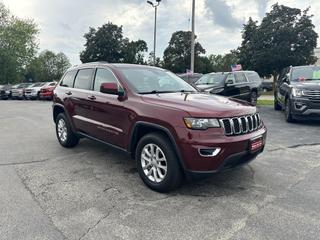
{"type": "Point", "coordinates": [59, 108]}
{"type": "Point", "coordinates": [140, 129]}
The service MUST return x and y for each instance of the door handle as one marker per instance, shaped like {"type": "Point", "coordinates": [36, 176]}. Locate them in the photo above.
{"type": "Point", "coordinates": [92, 97]}
{"type": "Point", "coordinates": [69, 93]}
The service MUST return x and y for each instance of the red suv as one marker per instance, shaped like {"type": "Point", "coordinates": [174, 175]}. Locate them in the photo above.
{"type": "Point", "coordinates": [167, 126]}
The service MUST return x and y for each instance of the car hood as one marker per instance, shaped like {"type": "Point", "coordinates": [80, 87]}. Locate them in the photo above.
{"type": "Point", "coordinates": [201, 105]}
{"type": "Point", "coordinates": [309, 85]}
{"type": "Point", "coordinates": [204, 87]}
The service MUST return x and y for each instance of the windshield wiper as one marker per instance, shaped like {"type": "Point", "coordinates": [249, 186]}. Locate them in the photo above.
{"type": "Point", "coordinates": [156, 92]}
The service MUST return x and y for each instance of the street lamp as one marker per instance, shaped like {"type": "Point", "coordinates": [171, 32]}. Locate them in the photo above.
{"type": "Point", "coordinates": [155, 6]}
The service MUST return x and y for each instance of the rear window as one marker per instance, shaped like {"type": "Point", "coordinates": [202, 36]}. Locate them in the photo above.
{"type": "Point", "coordinates": [68, 79]}
{"type": "Point", "coordinates": [240, 77]}
{"type": "Point", "coordinates": [84, 79]}
{"type": "Point", "coordinates": [253, 77]}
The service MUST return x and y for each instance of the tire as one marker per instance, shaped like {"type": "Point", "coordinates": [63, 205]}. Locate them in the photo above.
{"type": "Point", "coordinates": [170, 168]}
{"type": "Point", "coordinates": [253, 98]}
{"type": "Point", "coordinates": [277, 106]}
{"type": "Point", "coordinates": [287, 111]}
{"type": "Point", "coordinates": [66, 137]}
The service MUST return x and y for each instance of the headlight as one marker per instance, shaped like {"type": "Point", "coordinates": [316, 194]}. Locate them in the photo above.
{"type": "Point", "coordinates": [296, 92]}
{"type": "Point", "coordinates": [201, 123]}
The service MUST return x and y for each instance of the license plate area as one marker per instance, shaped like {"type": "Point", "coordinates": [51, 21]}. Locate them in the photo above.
{"type": "Point", "coordinates": [256, 144]}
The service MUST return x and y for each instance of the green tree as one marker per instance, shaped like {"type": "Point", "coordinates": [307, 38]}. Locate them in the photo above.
{"type": "Point", "coordinates": [18, 45]}
{"type": "Point", "coordinates": [177, 56]}
{"type": "Point", "coordinates": [108, 44]}
{"type": "Point", "coordinates": [223, 63]}
{"type": "Point", "coordinates": [150, 62]}
{"type": "Point", "coordinates": [285, 37]}
{"type": "Point", "coordinates": [48, 66]}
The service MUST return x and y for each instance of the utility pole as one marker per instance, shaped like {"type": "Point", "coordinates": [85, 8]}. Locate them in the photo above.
{"type": "Point", "coordinates": [155, 28]}
{"type": "Point", "coordinates": [192, 36]}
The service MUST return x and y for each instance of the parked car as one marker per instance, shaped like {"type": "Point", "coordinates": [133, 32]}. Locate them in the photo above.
{"type": "Point", "coordinates": [33, 92]}
{"type": "Point", "coordinates": [298, 93]}
{"type": "Point", "coordinates": [5, 92]}
{"type": "Point", "coordinates": [163, 122]}
{"type": "Point", "coordinates": [267, 85]}
{"type": "Point", "coordinates": [245, 85]}
{"type": "Point", "coordinates": [17, 92]}
{"type": "Point", "coordinates": [190, 78]}
{"type": "Point", "coordinates": [46, 92]}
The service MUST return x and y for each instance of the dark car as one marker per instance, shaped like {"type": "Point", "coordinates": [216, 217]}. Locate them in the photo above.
{"type": "Point", "coordinates": [190, 78]}
{"type": "Point", "coordinates": [164, 123]}
{"type": "Point", "coordinates": [245, 85]}
{"type": "Point", "coordinates": [298, 93]}
{"type": "Point", "coordinates": [5, 92]}
{"type": "Point", "coordinates": [267, 85]}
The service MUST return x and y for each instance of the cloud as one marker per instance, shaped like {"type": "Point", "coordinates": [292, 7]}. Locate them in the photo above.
{"type": "Point", "coordinates": [218, 22]}
{"type": "Point", "coordinates": [221, 14]}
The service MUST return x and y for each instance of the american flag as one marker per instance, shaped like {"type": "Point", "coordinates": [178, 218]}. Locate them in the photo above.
{"type": "Point", "coordinates": [236, 67]}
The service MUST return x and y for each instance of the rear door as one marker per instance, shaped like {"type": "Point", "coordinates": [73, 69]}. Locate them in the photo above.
{"type": "Point", "coordinates": [81, 102]}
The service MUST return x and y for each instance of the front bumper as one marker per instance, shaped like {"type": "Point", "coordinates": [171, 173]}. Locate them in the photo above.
{"type": "Point", "coordinates": [305, 108]}
{"type": "Point", "coordinates": [235, 150]}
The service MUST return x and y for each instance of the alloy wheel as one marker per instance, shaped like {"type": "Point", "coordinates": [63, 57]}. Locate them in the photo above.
{"type": "Point", "coordinates": [62, 130]}
{"type": "Point", "coordinates": [154, 163]}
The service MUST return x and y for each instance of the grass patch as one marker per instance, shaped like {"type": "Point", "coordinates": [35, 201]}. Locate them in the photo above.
{"type": "Point", "coordinates": [265, 102]}
{"type": "Point", "coordinates": [271, 93]}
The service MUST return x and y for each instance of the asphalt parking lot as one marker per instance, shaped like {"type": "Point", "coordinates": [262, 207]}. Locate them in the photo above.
{"type": "Point", "coordinates": [94, 192]}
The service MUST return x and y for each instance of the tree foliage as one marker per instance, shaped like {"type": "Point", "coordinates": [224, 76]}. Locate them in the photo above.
{"type": "Point", "coordinates": [108, 44]}
{"type": "Point", "coordinates": [177, 56]}
{"type": "Point", "coordinates": [18, 45]}
{"type": "Point", "coordinates": [223, 63]}
{"type": "Point", "coordinates": [285, 37]}
{"type": "Point", "coordinates": [48, 66]}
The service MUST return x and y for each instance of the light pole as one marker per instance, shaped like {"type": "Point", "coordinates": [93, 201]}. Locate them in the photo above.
{"type": "Point", "coordinates": [192, 36]}
{"type": "Point", "coordinates": [155, 6]}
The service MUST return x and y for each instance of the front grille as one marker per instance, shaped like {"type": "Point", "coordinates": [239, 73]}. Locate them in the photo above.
{"type": "Point", "coordinates": [313, 94]}
{"type": "Point", "coordinates": [241, 125]}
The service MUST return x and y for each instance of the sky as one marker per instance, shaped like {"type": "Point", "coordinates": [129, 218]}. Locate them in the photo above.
{"type": "Point", "coordinates": [219, 23]}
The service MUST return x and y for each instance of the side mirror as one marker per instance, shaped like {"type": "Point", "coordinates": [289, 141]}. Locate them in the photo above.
{"type": "Point", "coordinates": [229, 82]}
{"type": "Point", "coordinates": [111, 88]}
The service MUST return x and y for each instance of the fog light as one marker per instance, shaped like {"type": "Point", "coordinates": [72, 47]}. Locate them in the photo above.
{"type": "Point", "coordinates": [299, 105]}
{"type": "Point", "coordinates": [209, 152]}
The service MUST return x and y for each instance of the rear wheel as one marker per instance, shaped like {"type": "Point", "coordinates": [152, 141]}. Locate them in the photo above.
{"type": "Point", "coordinates": [287, 111]}
{"type": "Point", "coordinates": [67, 138]}
{"type": "Point", "coordinates": [157, 163]}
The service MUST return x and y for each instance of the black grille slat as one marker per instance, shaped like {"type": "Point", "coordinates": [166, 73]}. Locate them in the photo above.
{"type": "Point", "coordinates": [241, 125]}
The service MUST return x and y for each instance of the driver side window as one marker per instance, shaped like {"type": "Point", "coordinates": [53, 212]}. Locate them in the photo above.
{"type": "Point", "coordinates": [103, 76]}
{"type": "Point", "coordinates": [230, 78]}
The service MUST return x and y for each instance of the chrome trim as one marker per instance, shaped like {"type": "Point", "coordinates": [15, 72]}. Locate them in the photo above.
{"type": "Point", "coordinates": [215, 152]}
{"type": "Point", "coordinates": [99, 124]}
{"type": "Point", "coordinates": [254, 119]}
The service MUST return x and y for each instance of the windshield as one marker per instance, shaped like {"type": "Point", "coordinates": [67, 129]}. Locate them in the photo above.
{"type": "Point", "coordinates": [211, 79]}
{"type": "Point", "coordinates": [37, 85]}
{"type": "Point", "coordinates": [309, 73]}
{"type": "Point", "coordinates": [155, 80]}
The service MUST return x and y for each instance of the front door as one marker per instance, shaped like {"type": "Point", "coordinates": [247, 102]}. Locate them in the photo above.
{"type": "Point", "coordinates": [108, 112]}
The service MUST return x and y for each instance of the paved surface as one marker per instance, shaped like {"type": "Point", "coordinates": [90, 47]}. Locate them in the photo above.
{"type": "Point", "coordinates": [94, 192]}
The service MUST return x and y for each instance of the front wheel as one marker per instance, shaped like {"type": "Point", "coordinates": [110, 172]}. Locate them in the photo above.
{"type": "Point", "coordinates": [288, 110]}
{"type": "Point", "coordinates": [157, 163]}
{"type": "Point", "coordinates": [67, 138]}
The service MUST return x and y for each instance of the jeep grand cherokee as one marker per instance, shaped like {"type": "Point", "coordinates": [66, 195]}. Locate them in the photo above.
{"type": "Point", "coordinates": [167, 126]}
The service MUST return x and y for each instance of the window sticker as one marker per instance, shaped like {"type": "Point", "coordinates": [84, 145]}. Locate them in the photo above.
{"type": "Point", "coordinates": [316, 74]}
